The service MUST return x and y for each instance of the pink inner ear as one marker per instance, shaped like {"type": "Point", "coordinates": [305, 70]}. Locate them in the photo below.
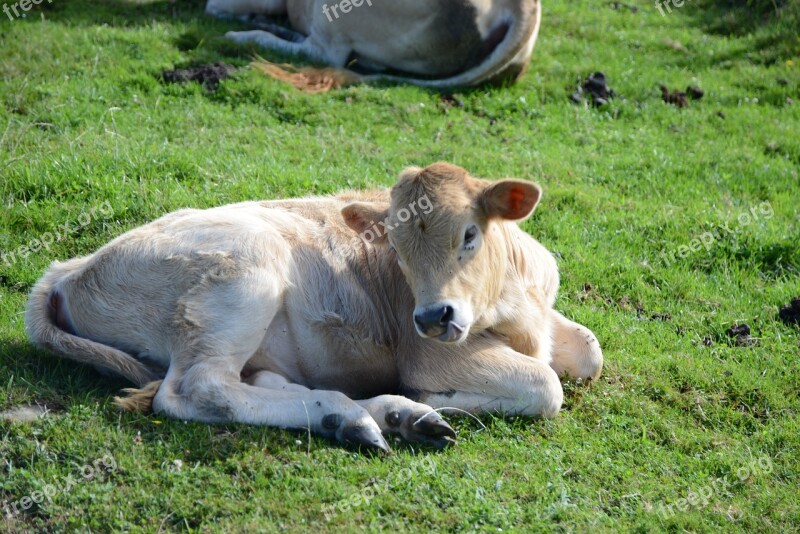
{"type": "Point", "coordinates": [516, 196]}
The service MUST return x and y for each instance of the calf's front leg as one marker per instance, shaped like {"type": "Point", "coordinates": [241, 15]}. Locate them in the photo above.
{"type": "Point", "coordinates": [414, 421]}
{"type": "Point", "coordinates": [485, 375]}
{"type": "Point", "coordinates": [576, 351]}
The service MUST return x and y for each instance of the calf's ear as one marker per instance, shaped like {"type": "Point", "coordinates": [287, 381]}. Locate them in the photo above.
{"type": "Point", "coordinates": [510, 199]}
{"type": "Point", "coordinates": [364, 219]}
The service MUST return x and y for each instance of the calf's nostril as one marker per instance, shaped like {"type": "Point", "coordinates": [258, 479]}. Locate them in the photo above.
{"type": "Point", "coordinates": [434, 320]}
{"type": "Point", "coordinates": [447, 316]}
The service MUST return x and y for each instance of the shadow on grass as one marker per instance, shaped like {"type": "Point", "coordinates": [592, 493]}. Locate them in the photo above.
{"type": "Point", "coordinates": [202, 37]}
{"type": "Point", "coordinates": [60, 384]}
{"type": "Point", "coordinates": [123, 13]}
{"type": "Point", "coordinates": [771, 23]}
{"type": "Point", "coordinates": [55, 380]}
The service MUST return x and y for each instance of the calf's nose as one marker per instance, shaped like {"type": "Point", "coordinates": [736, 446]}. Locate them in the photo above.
{"type": "Point", "coordinates": [433, 320]}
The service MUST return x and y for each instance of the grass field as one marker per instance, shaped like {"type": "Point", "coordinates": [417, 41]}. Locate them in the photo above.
{"type": "Point", "coordinates": [670, 226]}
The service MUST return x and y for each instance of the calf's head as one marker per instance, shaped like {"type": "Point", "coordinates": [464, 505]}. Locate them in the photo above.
{"type": "Point", "coordinates": [442, 228]}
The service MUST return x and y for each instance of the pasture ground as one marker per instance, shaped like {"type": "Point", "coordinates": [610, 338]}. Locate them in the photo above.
{"type": "Point", "coordinates": [689, 429]}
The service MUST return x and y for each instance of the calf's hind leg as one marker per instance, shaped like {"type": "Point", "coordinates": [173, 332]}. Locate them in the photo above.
{"type": "Point", "coordinates": [394, 414]}
{"type": "Point", "coordinates": [208, 394]}
{"type": "Point", "coordinates": [219, 326]}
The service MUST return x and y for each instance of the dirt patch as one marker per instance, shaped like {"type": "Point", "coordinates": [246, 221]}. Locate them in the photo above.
{"type": "Point", "coordinates": [790, 314]}
{"type": "Point", "coordinates": [740, 334]}
{"type": "Point", "coordinates": [594, 89]}
{"type": "Point", "coordinates": [208, 75]}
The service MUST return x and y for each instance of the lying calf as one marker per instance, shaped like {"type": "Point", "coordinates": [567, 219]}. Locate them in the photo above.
{"type": "Point", "coordinates": [435, 44]}
{"type": "Point", "coordinates": [282, 312]}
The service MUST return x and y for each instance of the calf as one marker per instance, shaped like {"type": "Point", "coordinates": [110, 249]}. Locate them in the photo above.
{"type": "Point", "coordinates": [432, 43]}
{"type": "Point", "coordinates": [282, 312]}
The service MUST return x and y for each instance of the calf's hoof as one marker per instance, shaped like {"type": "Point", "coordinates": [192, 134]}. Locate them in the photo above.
{"type": "Point", "coordinates": [428, 427]}
{"type": "Point", "coordinates": [369, 437]}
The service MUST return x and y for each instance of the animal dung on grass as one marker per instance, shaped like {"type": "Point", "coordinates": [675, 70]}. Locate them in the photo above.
{"type": "Point", "coordinates": [594, 89]}
{"type": "Point", "coordinates": [740, 334]}
{"type": "Point", "coordinates": [681, 98]}
{"type": "Point", "coordinates": [790, 314]}
{"type": "Point", "coordinates": [208, 75]}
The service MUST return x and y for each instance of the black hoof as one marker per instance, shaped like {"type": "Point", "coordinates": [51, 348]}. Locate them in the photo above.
{"type": "Point", "coordinates": [432, 425]}
{"type": "Point", "coordinates": [433, 430]}
{"type": "Point", "coordinates": [362, 436]}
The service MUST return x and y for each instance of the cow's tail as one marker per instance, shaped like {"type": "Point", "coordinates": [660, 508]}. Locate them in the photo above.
{"type": "Point", "coordinates": [518, 42]}
{"type": "Point", "coordinates": [47, 322]}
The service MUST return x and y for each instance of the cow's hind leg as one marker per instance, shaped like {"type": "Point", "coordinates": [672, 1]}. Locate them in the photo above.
{"type": "Point", "coordinates": [218, 327]}
{"type": "Point", "coordinates": [209, 394]}
{"type": "Point", "coordinates": [274, 381]}
{"type": "Point", "coordinates": [394, 414]}
{"type": "Point", "coordinates": [331, 55]}
{"type": "Point", "coordinates": [262, 23]}
{"type": "Point", "coordinates": [243, 9]}
{"type": "Point", "coordinates": [576, 351]}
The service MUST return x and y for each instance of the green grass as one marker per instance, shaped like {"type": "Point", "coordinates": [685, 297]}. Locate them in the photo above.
{"type": "Point", "coordinates": [84, 119]}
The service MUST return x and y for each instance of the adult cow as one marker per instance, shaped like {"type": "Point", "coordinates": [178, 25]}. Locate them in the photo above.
{"type": "Point", "coordinates": [282, 312]}
{"type": "Point", "coordinates": [433, 43]}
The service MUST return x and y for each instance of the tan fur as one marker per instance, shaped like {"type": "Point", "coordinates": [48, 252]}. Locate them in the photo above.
{"type": "Point", "coordinates": [138, 400]}
{"type": "Point", "coordinates": [282, 312]}
{"type": "Point", "coordinates": [431, 43]}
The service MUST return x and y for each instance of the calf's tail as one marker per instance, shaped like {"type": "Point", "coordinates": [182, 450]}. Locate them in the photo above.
{"type": "Point", "coordinates": [47, 325]}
